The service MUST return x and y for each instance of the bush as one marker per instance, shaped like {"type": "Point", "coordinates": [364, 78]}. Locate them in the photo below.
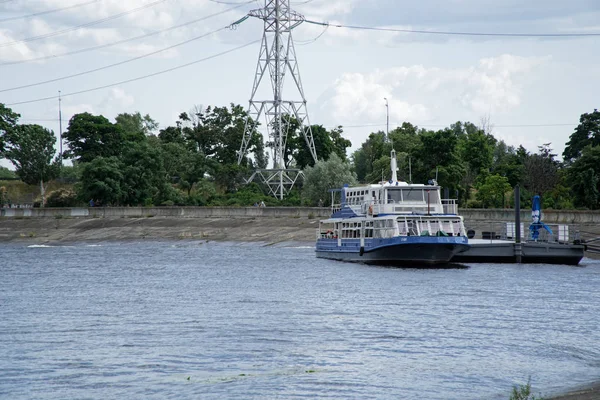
{"type": "Point", "coordinates": [62, 198]}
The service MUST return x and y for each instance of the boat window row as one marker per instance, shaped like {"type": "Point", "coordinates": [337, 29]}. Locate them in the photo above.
{"type": "Point", "coordinates": [412, 195]}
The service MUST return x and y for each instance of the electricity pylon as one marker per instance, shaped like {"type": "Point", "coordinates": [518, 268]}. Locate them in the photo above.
{"type": "Point", "coordinates": [278, 56]}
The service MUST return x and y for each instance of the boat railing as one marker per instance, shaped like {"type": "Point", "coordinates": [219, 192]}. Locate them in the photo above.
{"type": "Point", "coordinates": [502, 230]}
{"type": "Point", "coordinates": [450, 206]}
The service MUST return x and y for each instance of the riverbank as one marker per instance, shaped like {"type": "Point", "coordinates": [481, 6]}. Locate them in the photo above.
{"type": "Point", "coordinates": [251, 229]}
{"type": "Point", "coordinates": [588, 392]}
{"type": "Point", "coordinates": [242, 224]}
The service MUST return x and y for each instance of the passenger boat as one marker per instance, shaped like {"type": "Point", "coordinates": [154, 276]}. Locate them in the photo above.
{"type": "Point", "coordinates": [392, 223]}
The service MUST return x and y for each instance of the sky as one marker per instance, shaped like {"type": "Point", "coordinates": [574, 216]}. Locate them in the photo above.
{"type": "Point", "coordinates": [531, 89]}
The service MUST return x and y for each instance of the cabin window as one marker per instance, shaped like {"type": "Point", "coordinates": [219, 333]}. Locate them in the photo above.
{"type": "Point", "coordinates": [412, 195]}
{"type": "Point", "coordinates": [394, 196]}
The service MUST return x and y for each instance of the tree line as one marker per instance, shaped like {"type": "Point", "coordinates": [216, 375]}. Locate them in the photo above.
{"type": "Point", "coordinates": [195, 162]}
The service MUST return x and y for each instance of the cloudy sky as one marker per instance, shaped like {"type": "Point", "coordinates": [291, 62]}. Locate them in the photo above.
{"type": "Point", "coordinates": [533, 89]}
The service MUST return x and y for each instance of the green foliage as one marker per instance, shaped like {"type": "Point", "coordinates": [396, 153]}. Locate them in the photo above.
{"type": "Point", "coordinates": [586, 134]}
{"type": "Point", "coordinates": [523, 392]}
{"type": "Point", "coordinates": [102, 180]}
{"type": "Point", "coordinates": [541, 171]}
{"type": "Point", "coordinates": [325, 175]}
{"type": "Point", "coordinates": [143, 174]}
{"type": "Point", "coordinates": [8, 120]}
{"type": "Point", "coordinates": [69, 174]}
{"type": "Point", "coordinates": [6, 173]}
{"type": "Point", "coordinates": [370, 151]}
{"type": "Point", "coordinates": [62, 198]}
{"type": "Point", "coordinates": [30, 148]}
{"type": "Point", "coordinates": [584, 178]}
{"type": "Point", "coordinates": [135, 126]}
{"type": "Point", "coordinates": [89, 136]}
{"type": "Point", "coordinates": [492, 192]}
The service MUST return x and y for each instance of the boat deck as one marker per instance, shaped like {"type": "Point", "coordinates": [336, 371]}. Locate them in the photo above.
{"type": "Point", "coordinates": [507, 251]}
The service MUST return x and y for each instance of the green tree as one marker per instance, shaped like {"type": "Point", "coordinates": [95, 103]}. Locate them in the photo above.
{"type": "Point", "coordinates": [492, 191]}
{"type": "Point", "coordinates": [89, 136]}
{"type": "Point", "coordinates": [325, 175]}
{"type": "Point", "coordinates": [6, 173]}
{"type": "Point", "coordinates": [370, 151]}
{"type": "Point", "coordinates": [8, 120]}
{"type": "Point", "coordinates": [506, 162]}
{"type": "Point", "coordinates": [326, 142]}
{"type": "Point", "coordinates": [144, 177]}
{"type": "Point", "coordinates": [102, 180]}
{"type": "Point", "coordinates": [584, 178]}
{"type": "Point", "coordinates": [30, 148]}
{"type": "Point", "coordinates": [540, 174]}
{"type": "Point", "coordinates": [587, 133]}
{"type": "Point", "coordinates": [135, 126]}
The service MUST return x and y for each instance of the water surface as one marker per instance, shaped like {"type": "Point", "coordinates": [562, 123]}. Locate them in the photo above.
{"type": "Point", "coordinates": [222, 320]}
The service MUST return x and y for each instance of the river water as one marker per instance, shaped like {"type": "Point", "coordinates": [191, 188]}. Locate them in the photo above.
{"type": "Point", "coordinates": [189, 320]}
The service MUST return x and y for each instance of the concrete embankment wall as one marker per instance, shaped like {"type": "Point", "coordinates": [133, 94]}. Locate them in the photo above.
{"type": "Point", "coordinates": [268, 224]}
{"type": "Point", "coordinates": [470, 215]}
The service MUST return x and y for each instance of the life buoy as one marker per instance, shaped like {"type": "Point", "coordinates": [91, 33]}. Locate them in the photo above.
{"type": "Point", "coordinates": [371, 209]}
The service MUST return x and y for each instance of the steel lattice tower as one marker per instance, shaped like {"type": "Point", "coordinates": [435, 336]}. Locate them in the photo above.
{"type": "Point", "coordinates": [278, 56]}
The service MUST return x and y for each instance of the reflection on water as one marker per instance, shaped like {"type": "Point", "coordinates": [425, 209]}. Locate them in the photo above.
{"type": "Point", "coordinates": [209, 320]}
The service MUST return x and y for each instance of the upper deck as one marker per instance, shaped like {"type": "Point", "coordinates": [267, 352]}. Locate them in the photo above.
{"type": "Point", "coordinates": [394, 198]}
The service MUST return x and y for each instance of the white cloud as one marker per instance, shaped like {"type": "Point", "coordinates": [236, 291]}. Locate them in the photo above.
{"type": "Point", "coordinates": [120, 97]}
{"type": "Point", "coordinates": [419, 93]}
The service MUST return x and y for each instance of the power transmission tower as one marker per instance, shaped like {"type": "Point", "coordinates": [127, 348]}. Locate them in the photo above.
{"type": "Point", "coordinates": [277, 56]}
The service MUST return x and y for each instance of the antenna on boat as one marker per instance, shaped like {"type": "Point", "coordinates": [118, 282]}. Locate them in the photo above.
{"type": "Point", "coordinates": [394, 166]}
{"type": "Point", "coordinates": [409, 169]}
{"type": "Point", "coordinates": [436, 173]}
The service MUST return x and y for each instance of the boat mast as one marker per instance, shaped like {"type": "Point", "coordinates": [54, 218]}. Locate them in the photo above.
{"type": "Point", "coordinates": [394, 166]}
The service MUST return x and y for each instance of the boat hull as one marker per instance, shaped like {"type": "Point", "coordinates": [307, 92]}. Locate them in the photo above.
{"type": "Point", "coordinates": [399, 252]}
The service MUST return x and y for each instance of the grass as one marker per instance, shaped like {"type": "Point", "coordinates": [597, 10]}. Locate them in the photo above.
{"type": "Point", "coordinates": [523, 392]}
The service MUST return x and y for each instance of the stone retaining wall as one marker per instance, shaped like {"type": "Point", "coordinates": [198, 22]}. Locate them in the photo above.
{"type": "Point", "coordinates": [470, 215]}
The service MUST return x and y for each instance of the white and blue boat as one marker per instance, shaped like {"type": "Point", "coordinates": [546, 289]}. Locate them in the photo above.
{"type": "Point", "coordinates": [392, 223]}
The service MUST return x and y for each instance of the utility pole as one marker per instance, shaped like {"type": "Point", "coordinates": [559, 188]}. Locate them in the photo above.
{"type": "Point", "coordinates": [60, 128]}
{"type": "Point", "coordinates": [387, 124]}
{"type": "Point", "coordinates": [277, 55]}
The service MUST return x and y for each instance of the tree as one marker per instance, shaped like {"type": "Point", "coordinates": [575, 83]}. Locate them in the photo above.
{"type": "Point", "coordinates": [325, 175]}
{"type": "Point", "coordinates": [587, 133]}
{"type": "Point", "coordinates": [89, 136]}
{"type": "Point", "coordinates": [135, 126]}
{"type": "Point", "coordinates": [370, 151]}
{"type": "Point", "coordinates": [8, 120]}
{"type": "Point", "coordinates": [6, 173]}
{"type": "Point", "coordinates": [102, 181]}
{"type": "Point", "coordinates": [584, 178]}
{"type": "Point", "coordinates": [144, 177]}
{"type": "Point", "coordinates": [326, 142]}
{"type": "Point", "coordinates": [541, 171]}
{"type": "Point", "coordinates": [30, 148]}
{"type": "Point", "coordinates": [492, 191]}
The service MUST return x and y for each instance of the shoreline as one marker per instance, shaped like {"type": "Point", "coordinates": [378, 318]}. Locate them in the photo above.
{"type": "Point", "coordinates": [589, 391]}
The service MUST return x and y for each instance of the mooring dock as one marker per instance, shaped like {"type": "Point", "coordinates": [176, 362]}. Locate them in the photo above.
{"type": "Point", "coordinates": [531, 252]}
{"type": "Point", "coordinates": [498, 244]}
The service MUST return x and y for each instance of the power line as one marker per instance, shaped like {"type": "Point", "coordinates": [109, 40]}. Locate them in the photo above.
{"type": "Point", "coordinates": [102, 46]}
{"type": "Point", "coordinates": [74, 28]}
{"type": "Point", "coordinates": [138, 78]}
{"type": "Point", "coordinates": [371, 28]}
{"type": "Point", "coordinates": [48, 11]}
{"type": "Point", "coordinates": [115, 64]}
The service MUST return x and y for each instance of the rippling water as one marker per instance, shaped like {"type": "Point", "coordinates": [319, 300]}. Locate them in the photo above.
{"type": "Point", "coordinates": [222, 320]}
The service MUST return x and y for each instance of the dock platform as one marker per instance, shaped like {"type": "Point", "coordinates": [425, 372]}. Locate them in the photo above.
{"type": "Point", "coordinates": [532, 252]}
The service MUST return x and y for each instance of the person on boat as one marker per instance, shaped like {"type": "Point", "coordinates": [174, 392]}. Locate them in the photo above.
{"type": "Point", "coordinates": [262, 203]}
